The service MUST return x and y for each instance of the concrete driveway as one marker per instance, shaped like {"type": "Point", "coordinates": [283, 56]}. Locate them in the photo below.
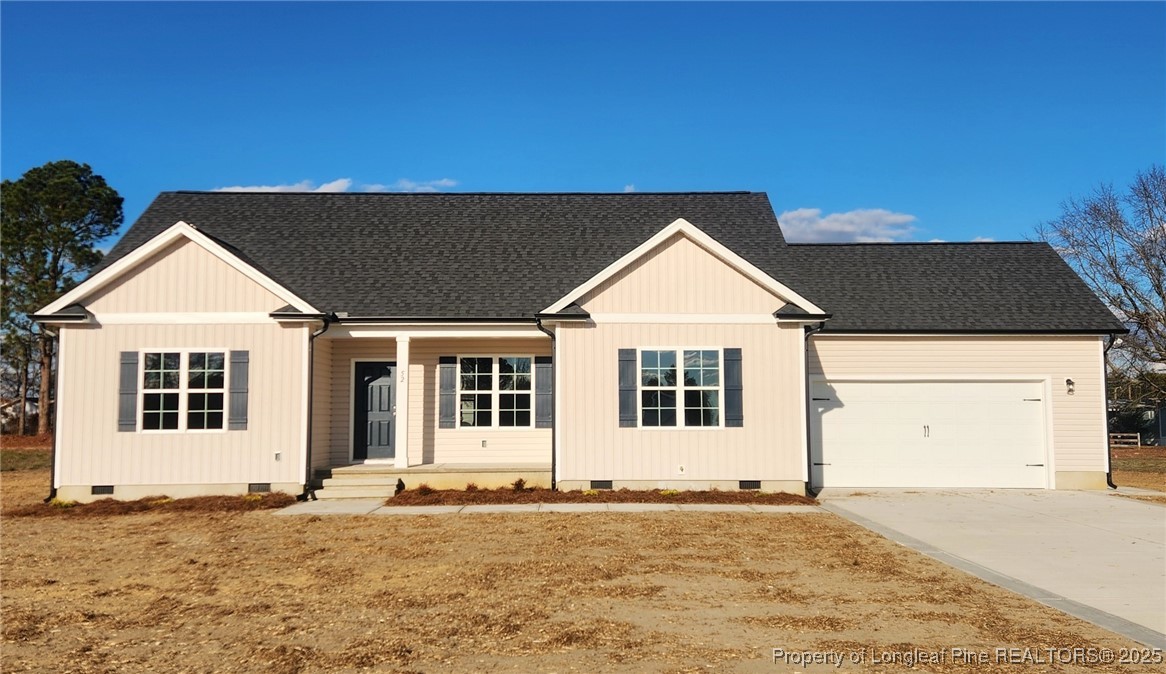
{"type": "Point", "coordinates": [1095, 555]}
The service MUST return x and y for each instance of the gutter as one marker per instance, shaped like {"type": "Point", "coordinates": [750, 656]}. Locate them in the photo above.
{"type": "Point", "coordinates": [810, 331]}
{"type": "Point", "coordinates": [1105, 408]}
{"type": "Point", "coordinates": [554, 400]}
{"type": "Point", "coordinates": [310, 493]}
{"type": "Point", "coordinates": [336, 318]}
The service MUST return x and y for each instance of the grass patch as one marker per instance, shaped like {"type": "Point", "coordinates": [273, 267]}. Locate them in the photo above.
{"type": "Point", "coordinates": [1141, 464]}
{"type": "Point", "coordinates": [149, 504]}
{"type": "Point", "coordinates": [425, 495]}
{"type": "Point", "coordinates": [25, 458]}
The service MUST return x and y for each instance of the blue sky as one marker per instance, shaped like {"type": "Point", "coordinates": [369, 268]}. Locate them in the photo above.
{"type": "Point", "coordinates": [904, 121]}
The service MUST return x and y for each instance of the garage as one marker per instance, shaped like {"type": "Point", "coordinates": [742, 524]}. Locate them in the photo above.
{"type": "Point", "coordinates": [894, 433]}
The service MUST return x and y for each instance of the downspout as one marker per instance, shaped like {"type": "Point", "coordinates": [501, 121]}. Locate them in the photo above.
{"type": "Point", "coordinates": [1105, 402]}
{"type": "Point", "coordinates": [810, 331]}
{"type": "Point", "coordinates": [538, 323]}
{"type": "Point", "coordinates": [44, 409]}
{"type": "Point", "coordinates": [310, 493]}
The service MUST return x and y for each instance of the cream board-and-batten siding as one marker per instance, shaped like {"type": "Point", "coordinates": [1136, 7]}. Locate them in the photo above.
{"type": "Point", "coordinates": [94, 452]}
{"type": "Point", "coordinates": [1078, 422]}
{"type": "Point", "coordinates": [680, 295]}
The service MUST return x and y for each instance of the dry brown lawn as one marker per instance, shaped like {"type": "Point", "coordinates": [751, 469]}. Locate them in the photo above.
{"type": "Point", "coordinates": [1141, 467]}
{"type": "Point", "coordinates": [656, 592]}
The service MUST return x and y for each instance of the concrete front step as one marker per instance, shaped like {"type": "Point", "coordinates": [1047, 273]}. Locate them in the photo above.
{"type": "Point", "coordinates": [380, 481]}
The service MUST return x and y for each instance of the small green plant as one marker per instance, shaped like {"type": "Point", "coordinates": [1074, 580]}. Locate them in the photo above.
{"type": "Point", "coordinates": [58, 503]}
{"type": "Point", "coordinates": [248, 497]}
{"type": "Point", "coordinates": [424, 489]}
{"type": "Point", "coordinates": [471, 487]}
{"type": "Point", "coordinates": [669, 492]}
{"type": "Point", "coordinates": [519, 485]}
{"type": "Point", "coordinates": [591, 492]}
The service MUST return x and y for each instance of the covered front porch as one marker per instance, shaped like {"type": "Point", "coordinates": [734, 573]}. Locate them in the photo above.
{"type": "Point", "coordinates": [443, 406]}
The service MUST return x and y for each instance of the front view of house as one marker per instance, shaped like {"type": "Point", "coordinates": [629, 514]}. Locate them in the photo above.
{"type": "Point", "coordinates": [236, 342]}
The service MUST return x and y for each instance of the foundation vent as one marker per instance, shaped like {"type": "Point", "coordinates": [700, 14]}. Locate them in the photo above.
{"type": "Point", "coordinates": [749, 484]}
{"type": "Point", "coordinates": [601, 484]}
{"type": "Point", "coordinates": [101, 489]}
{"type": "Point", "coordinates": [258, 487]}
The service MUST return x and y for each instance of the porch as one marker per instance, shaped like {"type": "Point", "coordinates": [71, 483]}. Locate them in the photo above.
{"type": "Point", "coordinates": [373, 480]}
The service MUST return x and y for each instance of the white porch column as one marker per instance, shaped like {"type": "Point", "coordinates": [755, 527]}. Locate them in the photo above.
{"type": "Point", "coordinates": [401, 437]}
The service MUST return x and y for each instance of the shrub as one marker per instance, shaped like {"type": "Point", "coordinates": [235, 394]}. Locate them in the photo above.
{"type": "Point", "coordinates": [471, 487]}
{"type": "Point", "coordinates": [424, 489]}
{"type": "Point", "coordinates": [669, 492]}
{"type": "Point", "coordinates": [519, 485]}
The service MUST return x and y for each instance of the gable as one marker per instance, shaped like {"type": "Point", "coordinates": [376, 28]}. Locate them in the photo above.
{"type": "Point", "coordinates": [181, 277]}
{"type": "Point", "coordinates": [680, 277]}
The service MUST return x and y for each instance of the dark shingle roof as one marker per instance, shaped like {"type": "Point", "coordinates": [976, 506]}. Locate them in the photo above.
{"type": "Point", "coordinates": [511, 255]}
{"type": "Point", "coordinates": [450, 255]}
{"type": "Point", "coordinates": [946, 287]}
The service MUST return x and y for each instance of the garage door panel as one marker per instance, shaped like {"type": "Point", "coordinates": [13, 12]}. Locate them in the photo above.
{"type": "Point", "coordinates": [928, 434]}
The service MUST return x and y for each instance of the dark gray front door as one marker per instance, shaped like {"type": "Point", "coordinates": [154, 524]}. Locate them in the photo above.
{"type": "Point", "coordinates": [375, 411]}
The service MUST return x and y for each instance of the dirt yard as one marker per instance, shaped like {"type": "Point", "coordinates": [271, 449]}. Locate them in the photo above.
{"type": "Point", "coordinates": [658, 592]}
{"type": "Point", "coordinates": [1141, 467]}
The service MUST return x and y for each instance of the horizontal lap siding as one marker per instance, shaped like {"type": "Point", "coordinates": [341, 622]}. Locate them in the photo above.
{"type": "Point", "coordinates": [92, 451]}
{"type": "Point", "coordinates": [343, 353]}
{"type": "Point", "coordinates": [680, 277]}
{"type": "Point", "coordinates": [322, 393]}
{"type": "Point", "coordinates": [164, 283]}
{"type": "Point", "coordinates": [768, 447]}
{"type": "Point", "coordinates": [1078, 420]}
{"type": "Point", "coordinates": [430, 444]}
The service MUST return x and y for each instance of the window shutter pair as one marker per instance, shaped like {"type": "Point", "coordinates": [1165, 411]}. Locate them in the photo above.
{"type": "Point", "coordinates": [447, 392]}
{"type": "Point", "coordinates": [629, 409]}
{"type": "Point", "coordinates": [127, 398]}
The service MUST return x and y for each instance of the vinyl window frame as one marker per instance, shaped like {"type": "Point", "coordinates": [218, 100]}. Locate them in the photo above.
{"type": "Point", "coordinates": [495, 392]}
{"type": "Point", "coordinates": [680, 388]}
{"type": "Point", "coordinates": [184, 390]}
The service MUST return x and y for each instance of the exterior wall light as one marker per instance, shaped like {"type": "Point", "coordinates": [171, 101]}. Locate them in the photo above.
{"type": "Point", "coordinates": [1070, 386]}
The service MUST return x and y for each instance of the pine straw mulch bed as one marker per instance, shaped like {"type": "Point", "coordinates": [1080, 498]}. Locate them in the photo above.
{"type": "Point", "coordinates": [155, 504]}
{"type": "Point", "coordinates": [9, 441]}
{"type": "Point", "coordinates": [423, 495]}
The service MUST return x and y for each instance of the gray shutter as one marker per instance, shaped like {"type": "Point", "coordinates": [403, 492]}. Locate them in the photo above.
{"type": "Point", "coordinates": [543, 392]}
{"type": "Point", "coordinates": [237, 413]}
{"type": "Point", "coordinates": [628, 407]}
{"type": "Point", "coordinates": [734, 414]}
{"type": "Point", "coordinates": [127, 392]}
{"type": "Point", "coordinates": [447, 392]}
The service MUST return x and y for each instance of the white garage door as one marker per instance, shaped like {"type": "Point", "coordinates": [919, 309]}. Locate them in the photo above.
{"type": "Point", "coordinates": [928, 434]}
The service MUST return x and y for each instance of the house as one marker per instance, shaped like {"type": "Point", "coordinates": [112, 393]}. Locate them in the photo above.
{"type": "Point", "coordinates": [235, 342]}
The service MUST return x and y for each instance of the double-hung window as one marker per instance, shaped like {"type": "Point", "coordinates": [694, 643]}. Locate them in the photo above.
{"type": "Point", "coordinates": [495, 392]}
{"type": "Point", "coordinates": [680, 388]}
{"type": "Point", "coordinates": [183, 390]}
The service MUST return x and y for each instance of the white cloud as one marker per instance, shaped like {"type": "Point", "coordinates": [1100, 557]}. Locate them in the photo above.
{"type": "Point", "coordinates": [345, 184]}
{"type": "Point", "coordinates": [982, 239]}
{"type": "Point", "coordinates": [630, 187]}
{"type": "Point", "coordinates": [339, 185]}
{"type": "Point", "coordinates": [407, 185]}
{"type": "Point", "coordinates": [808, 225]}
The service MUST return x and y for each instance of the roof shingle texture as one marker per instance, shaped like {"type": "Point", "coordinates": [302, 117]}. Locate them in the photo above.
{"type": "Point", "coordinates": [512, 255]}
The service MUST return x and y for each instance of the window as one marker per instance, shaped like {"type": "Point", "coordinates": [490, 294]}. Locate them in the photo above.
{"type": "Point", "coordinates": [698, 390]}
{"type": "Point", "coordinates": [488, 384]}
{"type": "Point", "coordinates": [179, 387]}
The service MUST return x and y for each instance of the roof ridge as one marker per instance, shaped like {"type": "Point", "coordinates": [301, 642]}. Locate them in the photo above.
{"type": "Point", "coordinates": [829, 244]}
{"type": "Point", "coordinates": [462, 194]}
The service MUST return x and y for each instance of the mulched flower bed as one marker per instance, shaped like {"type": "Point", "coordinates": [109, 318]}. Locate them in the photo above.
{"type": "Point", "coordinates": [153, 504]}
{"type": "Point", "coordinates": [509, 495]}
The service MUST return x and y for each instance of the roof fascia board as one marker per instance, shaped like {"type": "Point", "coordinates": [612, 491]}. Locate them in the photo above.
{"type": "Point", "coordinates": [694, 233]}
{"type": "Point", "coordinates": [143, 252]}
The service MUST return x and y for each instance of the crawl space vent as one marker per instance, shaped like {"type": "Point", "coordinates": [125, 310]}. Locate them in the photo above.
{"type": "Point", "coordinates": [258, 487]}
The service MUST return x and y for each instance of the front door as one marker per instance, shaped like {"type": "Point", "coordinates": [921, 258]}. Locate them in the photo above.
{"type": "Point", "coordinates": [375, 411]}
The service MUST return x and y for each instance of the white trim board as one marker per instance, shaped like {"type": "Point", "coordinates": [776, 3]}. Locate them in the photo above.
{"type": "Point", "coordinates": [143, 252]}
{"type": "Point", "coordinates": [696, 235]}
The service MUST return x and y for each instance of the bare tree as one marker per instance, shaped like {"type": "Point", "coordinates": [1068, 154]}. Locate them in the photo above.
{"type": "Point", "coordinates": [1117, 243]}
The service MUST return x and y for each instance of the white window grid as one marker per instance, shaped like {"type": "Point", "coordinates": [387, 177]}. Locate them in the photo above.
{"type": "Point", "coordinates": [183, 389]}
